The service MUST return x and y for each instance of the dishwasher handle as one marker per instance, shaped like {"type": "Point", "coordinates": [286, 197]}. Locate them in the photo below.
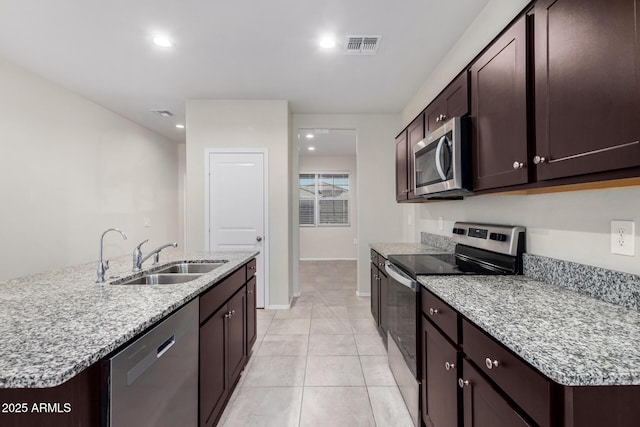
{"type": "Point", "coordinates": [165, 346]}
{"type": "Point", "coordinates": [399, 276]}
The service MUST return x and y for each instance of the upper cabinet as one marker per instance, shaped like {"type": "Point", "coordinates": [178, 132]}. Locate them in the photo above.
{"type": "Point", "coordinates": [587, 86]}
{"type": "Point", "coordinates": [415, 134]}
{"type": "Point", "coordinates": [452, 102]}
{"type": "Point", "coordinates": [402, 174]}
{"type": "Point", "coordinates": [499, 111]}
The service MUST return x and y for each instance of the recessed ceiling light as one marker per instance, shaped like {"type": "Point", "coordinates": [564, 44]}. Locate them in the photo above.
{"type": "Point", "coordinates": [311, 148]}
{"type": "Point", "coordinates": [162, 41]}
{"type": "Point", "coordinates": [327, 42]}
{"type": "Point", "coordinates": [180, 126]}
{"type": "Point", "coordinates": [310, 136]}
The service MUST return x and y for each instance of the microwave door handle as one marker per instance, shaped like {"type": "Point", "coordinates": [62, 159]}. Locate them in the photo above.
{"type": "Point", "coordinates": [442, 141]}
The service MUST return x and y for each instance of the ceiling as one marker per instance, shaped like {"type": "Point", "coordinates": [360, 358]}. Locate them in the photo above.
{"type": "Point", "coordinates": [232, 49]}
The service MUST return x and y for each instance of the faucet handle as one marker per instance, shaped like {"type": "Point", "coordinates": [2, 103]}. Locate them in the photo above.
{"type": "Point", "coordinates": [142, 243]}
{"type": "Point", "coordinates": [105, 265]}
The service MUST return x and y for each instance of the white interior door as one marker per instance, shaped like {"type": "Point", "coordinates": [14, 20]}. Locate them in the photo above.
{"type": "Point", "coordinates": [237, 208]}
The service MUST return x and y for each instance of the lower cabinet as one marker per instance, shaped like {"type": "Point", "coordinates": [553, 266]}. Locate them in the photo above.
{"type": "Point", "coordinates": [483, 405]}
{"type": "Point", "coordinates": [227, 331]}
{"type": "Point", "coordinates": [379, 298]}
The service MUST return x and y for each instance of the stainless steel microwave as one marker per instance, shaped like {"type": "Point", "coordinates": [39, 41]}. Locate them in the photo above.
{"type": "Point", "coordinates": [441, 161]}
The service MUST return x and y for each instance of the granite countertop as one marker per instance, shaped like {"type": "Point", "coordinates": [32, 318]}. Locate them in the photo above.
{"type": "Point", "coordinates": [54, 325]}
{"type": "Point", "coordinates": [386, 249]}
{"type": "Point", "coordinates": [572, 338]}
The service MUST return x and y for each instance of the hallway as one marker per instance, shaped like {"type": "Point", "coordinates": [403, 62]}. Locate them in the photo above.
{"type": "Point", "coordinates": [321, 363]}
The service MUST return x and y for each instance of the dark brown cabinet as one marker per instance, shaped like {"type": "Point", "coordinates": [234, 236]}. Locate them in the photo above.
{"type": "Point", "coordinates": [499, 111]}
{"type": "Point", "coordinates": [225, 337]}
{"type": "Point", "coordinates": [402, 173]}
{"type": "Point", "coordinates": [587, 86]}
{"type": "Point", "coordinates": [452, 102]}
{"type": "Point", "coordinates": [483, 406]}
{"type": "Point", "coordinates": [440, 392]}
{"type": "Point", "coordinates": [379, 296]}
{"type": "Point", "coordinates": [415, 134]}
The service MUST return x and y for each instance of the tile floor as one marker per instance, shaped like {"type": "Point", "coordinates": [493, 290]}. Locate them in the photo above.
{"type": "Point", "coordinates": [321, 363]}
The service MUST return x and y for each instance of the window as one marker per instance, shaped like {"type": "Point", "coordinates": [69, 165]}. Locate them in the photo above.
{"type": "Point", "coordinates": [324, 199]}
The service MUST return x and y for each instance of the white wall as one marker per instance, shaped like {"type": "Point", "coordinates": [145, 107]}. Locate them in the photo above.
{"type": "Point", "coordinates": [69, 169]}
{"type": "Point", "coordinates": [573, 226]}
{"type": "Point", "coordinates": [331, 242]}
{"type": "Point", "coordinates": [489, 23]}
{"type": "Point", "coordinates": [380, 217]}
{"type": "Point", "coordinates": [244, 124]}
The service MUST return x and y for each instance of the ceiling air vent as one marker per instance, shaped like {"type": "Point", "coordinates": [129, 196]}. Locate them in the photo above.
{"type": "Point", "coordinates": [362, 45]}
{"type": "Point", "coordinates": [162, 113]}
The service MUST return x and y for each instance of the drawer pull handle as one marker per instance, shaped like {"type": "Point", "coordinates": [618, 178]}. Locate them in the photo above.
{"type": "Point", "coordinates": [491, 363]}
{"type": "Point", "coordinates": [462, 383]}
{"type": "Point", "coordinates": [449, 366]}
{"type": "Point", "coordinates": [433, 311]}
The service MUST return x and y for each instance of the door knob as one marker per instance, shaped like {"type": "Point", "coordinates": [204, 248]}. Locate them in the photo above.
{"type": "Point", "coordinates": [259, 238]}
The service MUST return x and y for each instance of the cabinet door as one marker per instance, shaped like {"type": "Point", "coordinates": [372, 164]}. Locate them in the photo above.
{"type": "Point", "coordinates": [402, 177]}
{"type": "Point", "coordinates": [452, 102]}
{"type": "Point", "coordinates": [251, 313]}
{"type": "Point", "coordinates": [375, 294]}
{"type": "Point", "coordinates": [499, 111]}
{"type": "Point", "coordinates": [213, 383]}
{"type": "Point", "coordinates": [440, 377]}
{"type": "Point", "coordinates": [433, 115]}
{"type": "Point", "coordinates": [236, 334]}
{"type": "Point", "coordinates": [483, 406]}
{"type": "Point", "coordinates": [415, 134]}
{"type": "Point", "coordinates": [587, 83]}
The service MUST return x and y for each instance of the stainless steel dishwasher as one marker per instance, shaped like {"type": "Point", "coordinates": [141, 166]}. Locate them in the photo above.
{"type": "Point", "coordinates": [154, 380]}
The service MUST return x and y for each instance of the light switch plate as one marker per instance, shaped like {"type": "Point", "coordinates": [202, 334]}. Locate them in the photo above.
{"type": "Point", "coordinates": [623, 235]}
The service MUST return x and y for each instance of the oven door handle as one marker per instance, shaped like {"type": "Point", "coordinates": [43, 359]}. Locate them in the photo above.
{"type": "Point", "coordinates": [399, 276]}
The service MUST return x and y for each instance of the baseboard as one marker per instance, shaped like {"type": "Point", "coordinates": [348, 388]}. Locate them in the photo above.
{"type": "Point", "coordinates": [363, 294]}
{"type": "Point", "coordinates": [328, 259]}
{"type": "Point", "coordinates": [281, 307]}
{"type": "Point", "coordinates": [297, 294]}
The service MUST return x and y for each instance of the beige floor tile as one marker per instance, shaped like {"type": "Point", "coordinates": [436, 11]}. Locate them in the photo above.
{"type": "Point", "coordinates": [370, 345]}
{"type": "Point", "coordinates": [265, 407]}
{"type": "Point", "coordinates": [336, 407]}
{"type": "Point", "coordinates": [359, 312]}
{"type": "Point", "coordinates": [364, 326]}
{"type": "Point", "coordinates": [333, 371]}
{"type": "Point", "coordinates": [298, 312]}
{"type": "Point", "coordinates": [276, 371]}
{"type": "Point", "coordinates": [332, 345]}
{"type": "Point", "coordinates": [330, 327]}
{"type": "Point", "coordinates": [376, 371]}
{"type": "Point", "coordinates": [289, 326]}
{"type": "Point", "coordinates": [388, 407]}
{"type": "Point", "coordinates": [284, 345]}
{"type": "Point", "coordinates": [324, 311]}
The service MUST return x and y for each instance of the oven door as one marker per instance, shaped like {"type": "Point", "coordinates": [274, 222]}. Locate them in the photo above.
{"type": "Point", "coordinates": [438, 160]}
{"type": "Point", "coordinates": [402, 335]}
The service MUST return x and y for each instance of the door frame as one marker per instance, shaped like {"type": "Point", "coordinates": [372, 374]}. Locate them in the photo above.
{"type": "Point", "coordinates": [265, 192]}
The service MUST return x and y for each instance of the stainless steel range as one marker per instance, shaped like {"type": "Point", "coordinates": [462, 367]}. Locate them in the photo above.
{"type": "Point", "coordinates": [480, 249]}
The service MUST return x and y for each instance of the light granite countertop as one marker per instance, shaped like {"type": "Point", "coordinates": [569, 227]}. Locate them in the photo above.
{"type": "Point", "coordinates": [572, 338]}
{"type": "Point", "coordinates": [54, 325]}
{"type": "Point", "coordinates": [386, 249]}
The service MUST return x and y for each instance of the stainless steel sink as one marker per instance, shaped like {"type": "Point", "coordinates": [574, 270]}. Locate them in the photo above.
{"type": "Point", "coordinates": [161, 279]}
{"type": "Point", "coordinates": [186, 268]}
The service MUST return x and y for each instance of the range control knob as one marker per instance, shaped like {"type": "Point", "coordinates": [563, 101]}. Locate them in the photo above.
{"type": "Point", "coordinates": [498, 237]}
{"type": "Point", "coordinates": [459, 231]}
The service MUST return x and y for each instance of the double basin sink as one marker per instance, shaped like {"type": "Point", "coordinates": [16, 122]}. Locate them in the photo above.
{"type": "Point", "coordinates": [174, 274]}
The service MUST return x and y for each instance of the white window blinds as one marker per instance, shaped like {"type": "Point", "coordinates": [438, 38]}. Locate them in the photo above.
{"type": "Point", "coordinates": [324, 199]}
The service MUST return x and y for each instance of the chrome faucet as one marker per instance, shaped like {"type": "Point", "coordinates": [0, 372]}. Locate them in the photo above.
{"type": "Point", "coordinates": [138, 259]}
{"type": "Point", "coordinates": [103, 266]}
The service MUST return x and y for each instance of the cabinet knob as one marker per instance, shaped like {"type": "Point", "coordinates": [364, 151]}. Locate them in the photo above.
{"type": "Point", "coordinates": [433, 311]}
{"type": "Point", "coordinates": [227, 315]}
{"type": "Point", "coordinates": [405, 191]}
{"type": "Point", "coordinates": [518, 165]}
{"type": "Point", "coordinates": [462, 383]}
{"type": "Point", "coordinates": [537, 160]}
{"type": "Point", "coordinates": [443, 117]}
{"type": "Point", "coordinates": [438, 118]}
{"type": "Point", "coordinates": [249, 292]}
{"type": "Point", "coordinates": [449, 366]}
{"type": "Point", "coordinates": [491, 363]}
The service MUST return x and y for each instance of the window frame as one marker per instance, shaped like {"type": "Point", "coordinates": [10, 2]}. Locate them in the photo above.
{"type": "Point", "coordinates": [317, 198]}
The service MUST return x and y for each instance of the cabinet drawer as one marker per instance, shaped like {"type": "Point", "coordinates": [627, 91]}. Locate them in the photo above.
{"type": "Point", "coordinates": [251, 269]}
{"type": "Point", "coordinates": [439, 312]}
{"type": "Point", "coordinates": [214, 298]}
{"type": "Point", "coordinates": [529, 389]}
{"type": "Point", "coordinates": [374, 257]}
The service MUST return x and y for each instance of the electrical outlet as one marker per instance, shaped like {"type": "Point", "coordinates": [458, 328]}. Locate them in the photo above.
{"type": "Point", "coordinates": [623, 238]}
